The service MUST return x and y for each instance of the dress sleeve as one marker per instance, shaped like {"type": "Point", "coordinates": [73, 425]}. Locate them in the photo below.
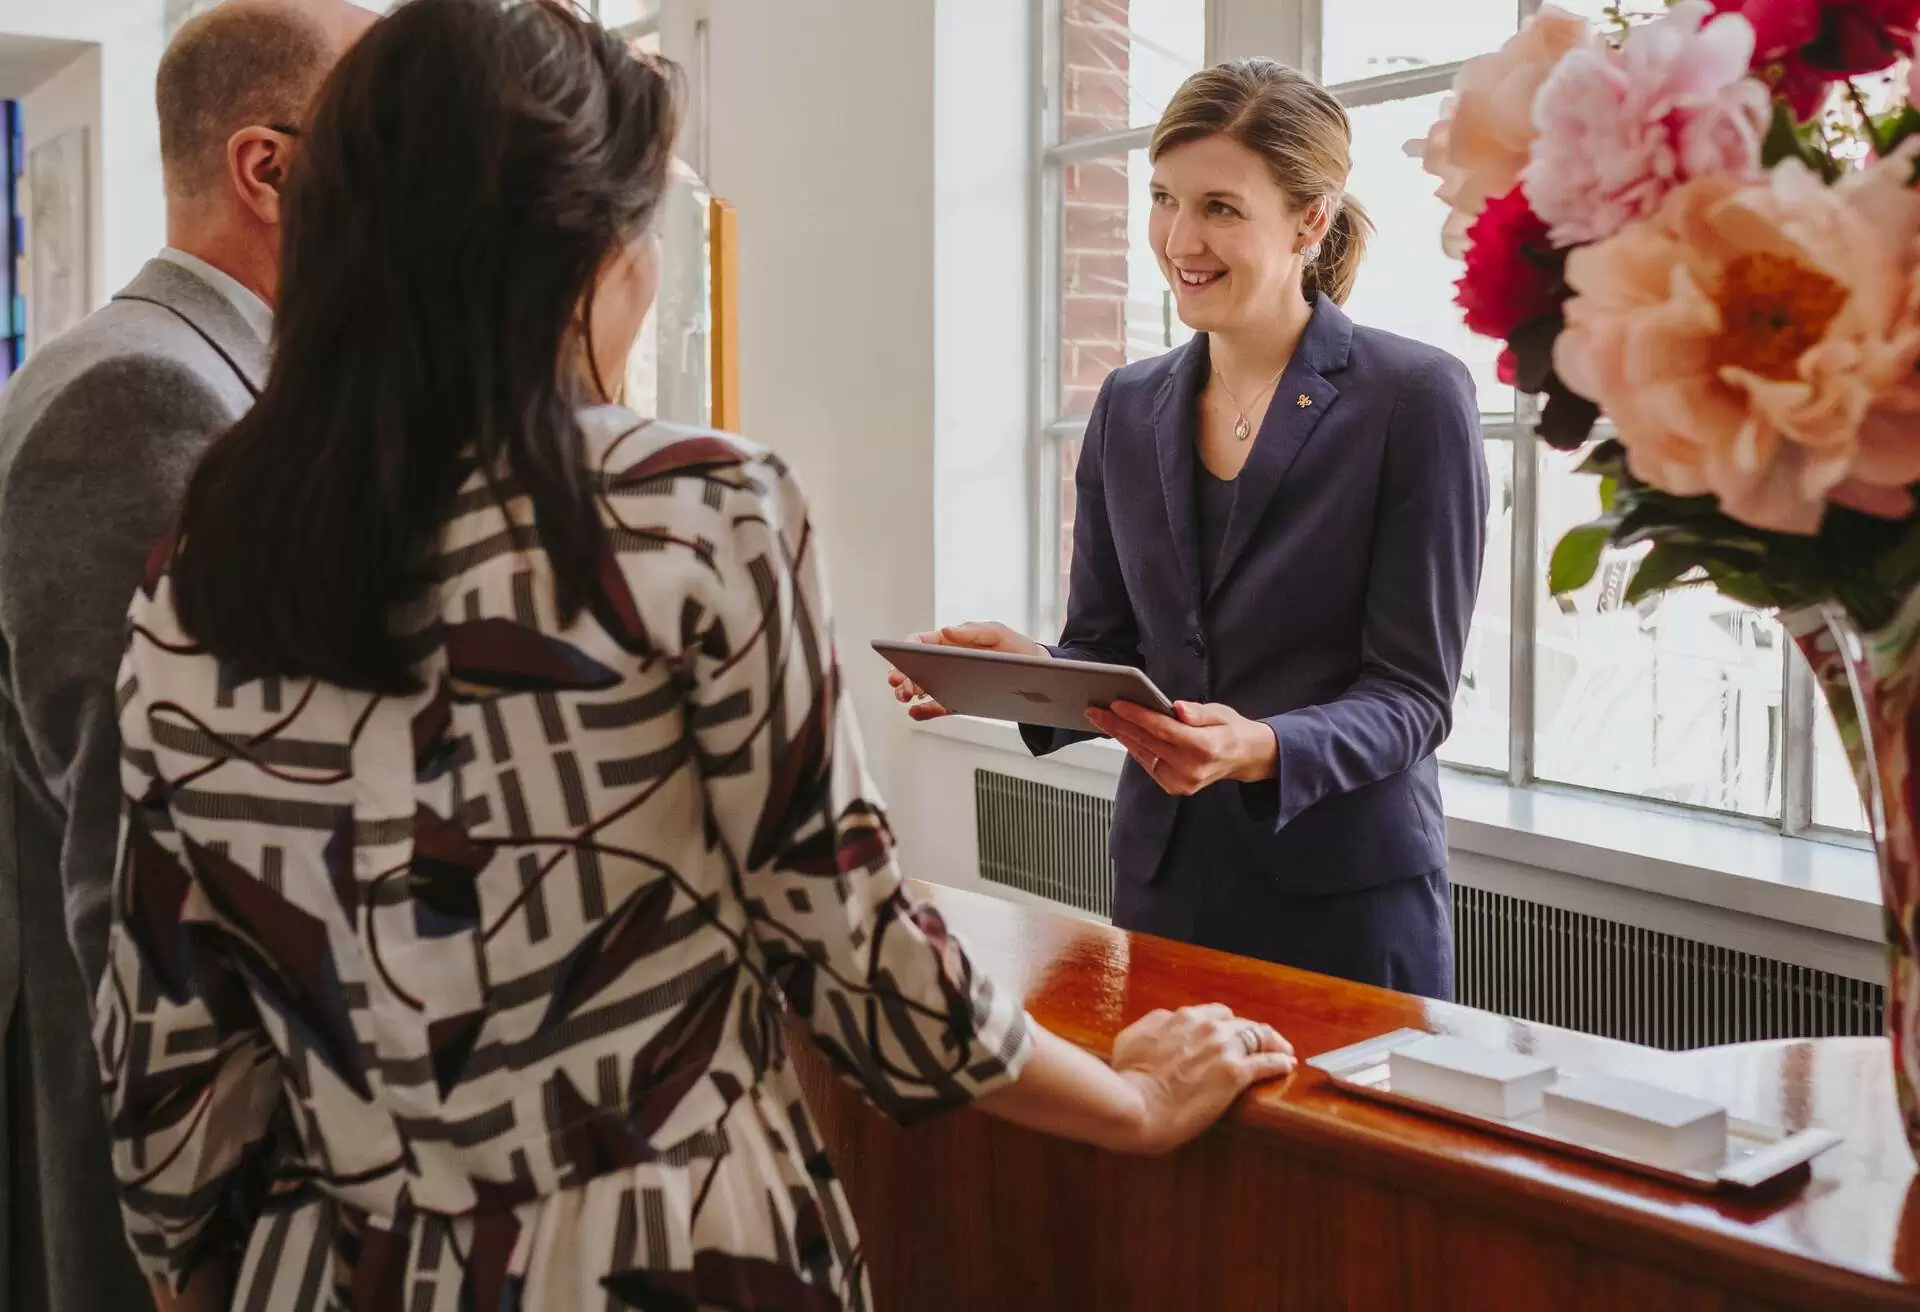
{"type": "Point", "coordinates": [191, 1081]}
{"type": "Point", "coordinates": [890, 997]}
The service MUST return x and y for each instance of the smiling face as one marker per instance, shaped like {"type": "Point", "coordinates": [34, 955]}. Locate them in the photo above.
{"type": "Point", "coordinates": [1227, 237]}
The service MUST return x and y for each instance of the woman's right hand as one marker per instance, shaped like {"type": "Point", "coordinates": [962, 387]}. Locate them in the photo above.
{"type": "Point", "coordinates": [982, 636]}
{"type": "Point", "coordinates": [1189, 1065]}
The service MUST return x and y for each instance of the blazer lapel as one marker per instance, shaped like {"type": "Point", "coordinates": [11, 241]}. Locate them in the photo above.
{"type": "Point", "coordinates": [202, 308]}
{"type": "Point", "coordinates": [1176, 418]}
{"type": "Point", "coordinates": [1300, 401]}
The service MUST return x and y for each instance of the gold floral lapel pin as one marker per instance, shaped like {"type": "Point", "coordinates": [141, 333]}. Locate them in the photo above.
{"type": "Point", "coordinates": [1304, 401]}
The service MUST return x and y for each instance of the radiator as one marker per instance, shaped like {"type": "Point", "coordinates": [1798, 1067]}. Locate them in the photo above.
{"type": "Point", "coordinates": [1514, 956]}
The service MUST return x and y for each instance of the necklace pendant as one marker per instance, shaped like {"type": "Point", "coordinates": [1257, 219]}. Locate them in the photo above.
{"type": "Point", "coordinates": [1242, 429]}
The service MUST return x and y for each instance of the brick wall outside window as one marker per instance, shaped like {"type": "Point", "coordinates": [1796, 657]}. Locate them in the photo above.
{"type": "Point", "coordinates": [1094, 68]}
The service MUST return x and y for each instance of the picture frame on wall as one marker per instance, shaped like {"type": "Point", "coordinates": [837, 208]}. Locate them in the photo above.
{"type": "Point", "coordinates": [58, 249]}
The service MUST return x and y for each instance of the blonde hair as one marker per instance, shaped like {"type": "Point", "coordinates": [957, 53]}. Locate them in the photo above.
{"type": "Point", "coordinates": [1291, 122]}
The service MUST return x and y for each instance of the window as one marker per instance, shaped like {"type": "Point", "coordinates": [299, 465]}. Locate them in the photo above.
{"type": "Point", "coordinates": [1690, 700]}
{"type": "Point", "coordinates": [1115, 65]}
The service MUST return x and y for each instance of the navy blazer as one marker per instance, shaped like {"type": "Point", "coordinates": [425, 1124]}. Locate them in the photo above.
{"type": "Point", "coordinates": [1338, 610]}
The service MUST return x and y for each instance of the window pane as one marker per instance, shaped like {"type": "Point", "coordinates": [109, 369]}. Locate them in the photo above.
{"type": "Point", "coordinates": [1068, 462]}
{"type": "Point", "coordinates": [1479, 736]}
{"type": "Point", "coordinates": [621, 13]}
{"type": "Point", "coordinates": [1406, 281]}
{"type": "Point", "coordinates": [1122, 60]}
{"type": "Point", "coordinates": [1367, 38]}
{"type": "Point", "coordinates": [1115, 305]}
{"type": "Point", "coordinates": [1595, 11]}
{"type": "Point", "coordinates": [1676, 699]}
{"type": "Point", "coordinates": [1836, 798]}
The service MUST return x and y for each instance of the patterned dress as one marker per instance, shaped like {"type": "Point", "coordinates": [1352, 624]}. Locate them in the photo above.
{"type": "Point", "coordinates": [472, 1000]}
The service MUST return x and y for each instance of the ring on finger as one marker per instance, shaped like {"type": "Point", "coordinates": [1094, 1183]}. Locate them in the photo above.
{"type": "Point", "coordinates": [1250, 1039]}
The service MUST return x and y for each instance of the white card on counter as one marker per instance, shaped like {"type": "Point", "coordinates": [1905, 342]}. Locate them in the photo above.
{"type": "Point", "coordinates": [1469, 1077]}
{"type": "Point", "coordinates": [1671, 1129]}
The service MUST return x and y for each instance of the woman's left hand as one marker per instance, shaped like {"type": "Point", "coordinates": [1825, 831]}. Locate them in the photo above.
{"type": "Point", "coordinates": [1198, 745]}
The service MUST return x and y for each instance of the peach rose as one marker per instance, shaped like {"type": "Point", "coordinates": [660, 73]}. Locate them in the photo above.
{"type": "Point", "coordinates": [1756, 341]}
{"type": "Point", "coordinates": [1479, 146]}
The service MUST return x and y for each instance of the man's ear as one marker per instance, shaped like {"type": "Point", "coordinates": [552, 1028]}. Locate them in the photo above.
{"type": "Point", "coordinates": [257, 160]}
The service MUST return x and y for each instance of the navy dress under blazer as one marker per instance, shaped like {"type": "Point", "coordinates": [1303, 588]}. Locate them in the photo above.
{"type": "Point", "coordinates": [1336, 611]}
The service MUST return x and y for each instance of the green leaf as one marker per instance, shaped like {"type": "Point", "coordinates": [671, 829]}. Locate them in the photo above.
{"type": "Point", "coordinates": [1749, 589]}
{"type": "Point", "coordinates": [1659, 570]}
{"type": "Point", "coordinates": [1787, 139]}
{"type": "Point", "coordinates": [1577, 556]}
{"type": "Point", "coordinates": [1783, 137]}
{"type": "Point", "coordinates": [1889, 130]}
{"type": "Point", "coordinates": [1897, 569]}
{"type": "Point", "coordinates": [1608, 458]}
{"type": "Point", "coordinates": [1609, 488]}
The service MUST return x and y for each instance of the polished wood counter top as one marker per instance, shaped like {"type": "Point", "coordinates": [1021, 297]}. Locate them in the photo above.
{"type": "Point", "coordinates": [1310, 1172]}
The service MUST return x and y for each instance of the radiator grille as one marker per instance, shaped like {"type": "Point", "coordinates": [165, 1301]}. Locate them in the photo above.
{"type": "Point", "coordinates": [1513, 956]}
{"type": "Point", "coordinates": [1044, 840]}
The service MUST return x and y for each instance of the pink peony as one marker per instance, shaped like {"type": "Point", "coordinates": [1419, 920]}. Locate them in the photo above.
{"type": "Point", "coordinates": [1479, 146]}
{"type": "Point", "coordinates": [1619, 129]}
{"type": "Point", "coordinates": [1757, 342]}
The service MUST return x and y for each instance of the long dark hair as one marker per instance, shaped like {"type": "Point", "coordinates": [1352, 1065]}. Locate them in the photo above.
{"type": "Point", "coordinates": [470, 167]}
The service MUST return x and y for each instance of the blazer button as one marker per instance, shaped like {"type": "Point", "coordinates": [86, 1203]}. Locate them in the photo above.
{"type": "Point", "coordinates": [1197, 645]}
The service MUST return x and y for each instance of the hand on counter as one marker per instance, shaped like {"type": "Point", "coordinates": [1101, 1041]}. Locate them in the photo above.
{"type": "Point", "coordinates": [982, 635]}
{"type": "Point", "coordinates": [1189, 1066]}
{"type": "Point", "coordinates": [1173, 1074]}
{"type": "Point", "coordinates": [1200, 744]}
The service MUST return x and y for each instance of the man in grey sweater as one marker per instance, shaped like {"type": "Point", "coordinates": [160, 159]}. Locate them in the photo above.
{"type": "Point", "coordinates": [98, 435]}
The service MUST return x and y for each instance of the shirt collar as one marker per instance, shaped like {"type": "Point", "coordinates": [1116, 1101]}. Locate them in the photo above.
{"type": "Point", "coordinates": [256, 312]}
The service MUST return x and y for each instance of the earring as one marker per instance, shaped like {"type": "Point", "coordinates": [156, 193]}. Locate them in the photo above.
{"type": "Point", "coordinates": [1311, 252]}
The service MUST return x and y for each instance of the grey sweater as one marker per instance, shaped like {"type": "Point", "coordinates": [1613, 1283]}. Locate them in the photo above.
{"type": "Point", "coordinates": [98, 435]}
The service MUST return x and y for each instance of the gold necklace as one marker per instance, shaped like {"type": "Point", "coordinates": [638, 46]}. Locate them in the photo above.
{"type": "Point", "coordinates": [1242, 429]}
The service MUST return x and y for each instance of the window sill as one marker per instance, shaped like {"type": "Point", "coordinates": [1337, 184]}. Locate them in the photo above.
{"type": "Point", "coordinates": [1818, 884]}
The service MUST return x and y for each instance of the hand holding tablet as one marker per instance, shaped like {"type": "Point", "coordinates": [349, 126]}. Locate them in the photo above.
{"type": "Point", "coordinates": [995, 673]}
{"type": "Point", "coordinates": [980, 636]}
{"type": "Point", "coordinates": [992, 672]}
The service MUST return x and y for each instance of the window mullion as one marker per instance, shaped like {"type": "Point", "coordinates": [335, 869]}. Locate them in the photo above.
{"type": "Point", "coordinates": [1046, 312]}
{"type": "Point", "coordinates": [1796, 741]}
{"type": "Point", "coordinates": [1286, 30]}
{"type": "Point", "coordinates": [1523, 591]}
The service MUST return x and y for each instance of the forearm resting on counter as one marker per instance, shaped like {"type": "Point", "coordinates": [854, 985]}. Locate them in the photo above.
{"type": "Point", "coordinates": [1066, 1091]}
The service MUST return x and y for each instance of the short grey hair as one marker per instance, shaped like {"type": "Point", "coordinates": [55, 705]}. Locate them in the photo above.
{"type": "Point", "coordinates": [235, 66]}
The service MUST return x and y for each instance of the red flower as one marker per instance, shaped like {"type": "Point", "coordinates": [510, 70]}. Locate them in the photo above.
{"type": "Point", "coordinates": [1811, 44]}
{"type": "Point", "coordinates": [1511, 274]}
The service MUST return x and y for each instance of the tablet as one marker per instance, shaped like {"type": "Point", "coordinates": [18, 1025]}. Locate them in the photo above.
{"type": "Point", "coordinates": [997, 685]}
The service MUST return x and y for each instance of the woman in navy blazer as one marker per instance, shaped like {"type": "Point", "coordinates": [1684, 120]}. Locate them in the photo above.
{"type": "Point", "coordinates": [1282, 523]}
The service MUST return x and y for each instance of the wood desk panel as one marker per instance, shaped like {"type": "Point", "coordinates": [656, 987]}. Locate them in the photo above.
{"type": "Point", "coordinates": [1310, 1198]}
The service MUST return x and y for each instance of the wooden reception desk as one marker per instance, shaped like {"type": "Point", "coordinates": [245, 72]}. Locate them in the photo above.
{"type": "Point", "coordinates": [1307, 1197]}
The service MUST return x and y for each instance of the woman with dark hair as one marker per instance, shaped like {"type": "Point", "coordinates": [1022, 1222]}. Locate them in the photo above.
{"type": "Point", "coordinates": [489, 785]}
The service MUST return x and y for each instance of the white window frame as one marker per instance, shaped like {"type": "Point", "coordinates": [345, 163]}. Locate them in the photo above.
{"type": "Point", "coordinates": [1289, 30]}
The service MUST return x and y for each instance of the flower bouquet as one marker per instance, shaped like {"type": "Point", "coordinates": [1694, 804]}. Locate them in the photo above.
{"type": "Point", "coordinates": [1702, 224]}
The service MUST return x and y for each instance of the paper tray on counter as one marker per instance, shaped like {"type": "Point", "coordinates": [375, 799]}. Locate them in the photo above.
{"type": "Point", "coordinates": [1756, 1153]}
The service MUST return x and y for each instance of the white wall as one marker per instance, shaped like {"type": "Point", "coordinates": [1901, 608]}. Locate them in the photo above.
{"type": "Point", "coordinates": [884, 308]}
{"type": "Point", "coordinates": [822, 136]}
{"type": "Point", "coordinates": [984, 270]}
{"type": "Point", "coordinates": [109, 90]}
{"type": "Point", "coordinates": [68, 100]}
